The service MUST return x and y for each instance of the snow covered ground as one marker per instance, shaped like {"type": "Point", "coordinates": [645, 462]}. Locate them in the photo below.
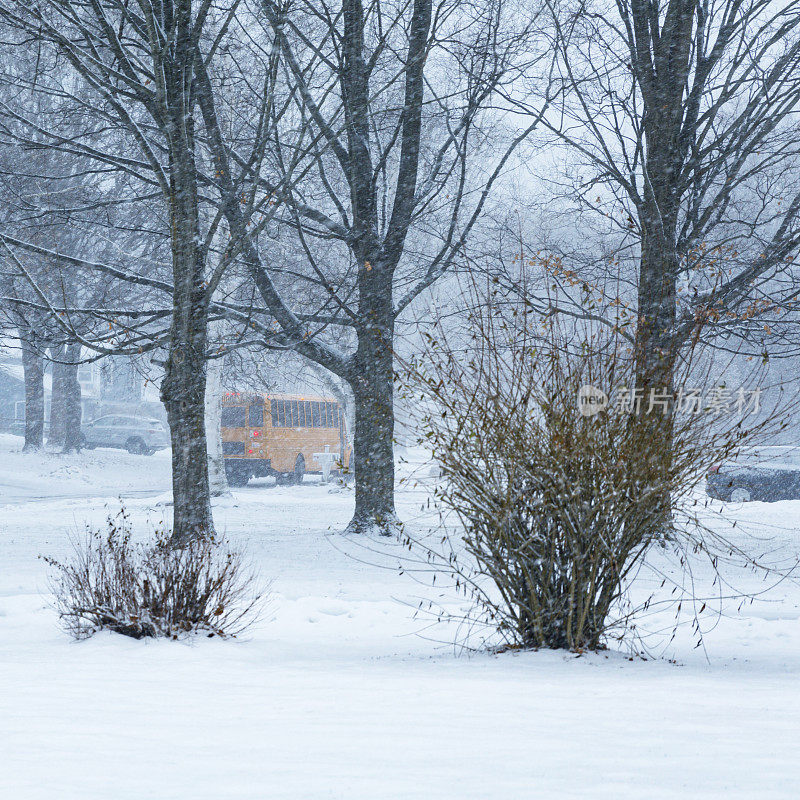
{"type": "Point", "coordinates": [338, 692]}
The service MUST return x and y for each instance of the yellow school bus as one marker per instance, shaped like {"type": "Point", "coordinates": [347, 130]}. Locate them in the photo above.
{"type": "Point", "coordinates": [278, 434]}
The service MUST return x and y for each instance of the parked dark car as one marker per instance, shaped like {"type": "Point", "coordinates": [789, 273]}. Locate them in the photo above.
{"type": "Point", "coordinates": [134, 434]}
{"type": "Point", "coordinates": [769, 474]}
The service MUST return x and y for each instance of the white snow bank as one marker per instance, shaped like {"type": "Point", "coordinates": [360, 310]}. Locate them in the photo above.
{"type": "Point", "coordinates": [333, 695]}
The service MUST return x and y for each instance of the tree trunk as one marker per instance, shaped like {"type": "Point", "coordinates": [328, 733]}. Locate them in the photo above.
{"type": "Point", "coordinates": [183, 394]}
{"type": "Point", "coordinates": [183, 388]}
{"type": "Point", "coordinates": [372, 382]}
{"type": "Point", "coordinates": [655, 349]}
{"type": "Point", "coordinates": [72, 399]}
{"type": "Point", "coordinates": [55, 435]}
{"type": "Point", "coordinates": [218, 482]}
{"type": "Point", "coordinates": [657, 299]}
{"type": "Point", "coordinates": [33, 368]}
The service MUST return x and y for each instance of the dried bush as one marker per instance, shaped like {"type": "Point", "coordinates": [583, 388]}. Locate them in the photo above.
{"type": "Point", "coordinates": [556, 509]}
{"type": "Point", "coordinates": [150, 589]}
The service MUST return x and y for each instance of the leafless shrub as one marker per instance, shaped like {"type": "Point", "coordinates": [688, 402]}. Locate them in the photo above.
{"type": "Point", "coordinates": [556, 509]}
{"type": "Point", "coordinates": [153, 588]}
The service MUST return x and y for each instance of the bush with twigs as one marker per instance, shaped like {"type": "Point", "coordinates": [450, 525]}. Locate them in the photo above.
{"type": "Point", "coordinates": [153, 588]}
{"type": "Point", "coordinates": [556, 510]}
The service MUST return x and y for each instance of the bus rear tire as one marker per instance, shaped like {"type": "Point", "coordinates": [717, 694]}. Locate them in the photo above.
{"type": "Point", "coordinates": [296, 477]}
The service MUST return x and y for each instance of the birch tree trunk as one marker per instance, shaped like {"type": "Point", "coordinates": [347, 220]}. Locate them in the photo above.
{"type": "Point", "coordinates": [217, 480]}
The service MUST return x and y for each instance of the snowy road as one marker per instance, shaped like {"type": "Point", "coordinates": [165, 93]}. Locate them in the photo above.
{"type": "Point", "coordinates": [18, 495]}
{"type": "Point", "coordinates": [92, 474]}
{"type": "Point", "coordinates": [334, 695]}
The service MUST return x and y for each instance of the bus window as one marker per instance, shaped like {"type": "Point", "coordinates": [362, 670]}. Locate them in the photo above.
{"type": "Point", "coordinates": [293, 413]}
{"type": "Point", "coordinates": [301, 414]}
{"type": "Point", "coordinates": [315, 414]}
{"type": "Point", "coordinates": [232, 417]}
{"type": "Point", "coordinates": [309, 415]}
{"type": "Point", "coordinates": [333, 417]}
{"type": "Point", "coordinates": [281, 414]}
{"type": "Point", "coordinates": [273, 409]}
{"type": "Point", "coordinates": [255, 415]}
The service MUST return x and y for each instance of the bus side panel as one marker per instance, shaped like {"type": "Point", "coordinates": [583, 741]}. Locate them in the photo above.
{"type": "Point", "coordinates": [283, 445]}
{"type": "Point", "coordinates": [316, 442]}
{"type": "Point", "coordinates": [282, 449]}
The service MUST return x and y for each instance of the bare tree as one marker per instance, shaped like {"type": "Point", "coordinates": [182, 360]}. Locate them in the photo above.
{"type": "Point", "coordinates": [128, 68]}
{"type": "Point", "coordinates": [361, 147]}
{"type": "Point", "coordinates": [380, 109]}
{"type": "Point", "coordinates": [31, 348]}
{"type": "Point", "coordinates": [681, 118]}
{"type": "Point", "coordinates": [680, 121]}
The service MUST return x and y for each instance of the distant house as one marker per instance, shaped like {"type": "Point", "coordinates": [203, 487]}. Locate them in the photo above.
{"type": "Point", "coordinates": [12, 391]}
{"type": "Point", "coordinates": [111, 385]}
